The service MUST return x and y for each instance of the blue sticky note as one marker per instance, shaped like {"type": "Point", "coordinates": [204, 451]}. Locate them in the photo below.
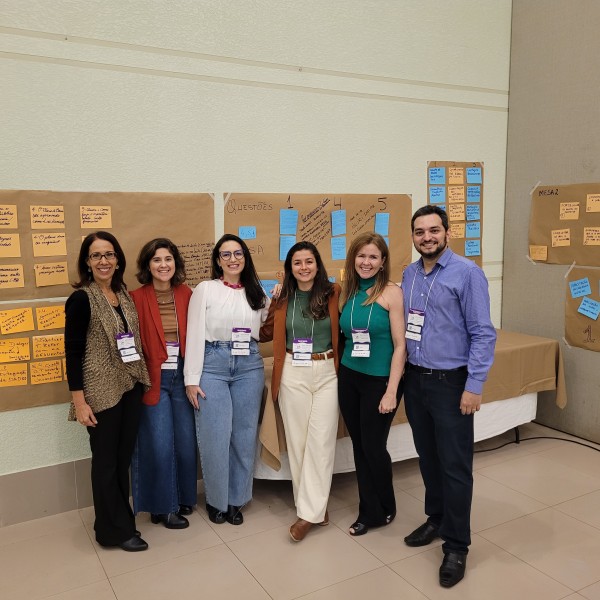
{"type": "Point", "coordinates": [590, 308]}
{"type": "Point", "coordinates": [437, 175]}
{"type": "Point", "coordinates": [580, 288]}
{"type": "Point", "coordinates": [338, 222]}
{"type": "Point", "coordinates": [473, 230]}
{"type": "Point", "coordinates": [247, 232]}
{"type": "Point", "coordinates": [474, 175]}
{"type": "Point", "coordinates": [437, 193]}
{"type": "Point", "coordinates": [338, 248]}
{"type": "Point", "coordinates": [473, 193]}
{"type": "Point", "coordinates": [387, 241]}
{"type": "Point", "coordinates": [473, 212]}
{"type": "Point", "coordinates": [473, 248]}
{"type": "Point", "coordinates": [382, 224]}
{"type": "Point", "coordinates": [268, 285]}
{"type": "Point", "coordinates": [288, 221]}
{"type": "Point", "coordinates": [442, 206]}
{"type": "Point", "coordinates": [285, 243]}
{"type": "Point", "coordinates": [331, 279]}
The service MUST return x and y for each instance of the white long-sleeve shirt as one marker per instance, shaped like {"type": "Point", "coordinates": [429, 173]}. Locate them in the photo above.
{"type": "Point", "coordinates": [214, 311]}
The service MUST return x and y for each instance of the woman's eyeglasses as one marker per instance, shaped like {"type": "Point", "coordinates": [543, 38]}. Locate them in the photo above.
{"type": "Point", "coordinates": [98, 256]}
{"type": "Point", "coordinates": [226, 254]}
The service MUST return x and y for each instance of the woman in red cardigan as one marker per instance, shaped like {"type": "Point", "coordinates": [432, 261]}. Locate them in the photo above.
{"type": "Point", "coordinates": [164, 465]}
{"type": "Point", "coordinates": [303, 324]}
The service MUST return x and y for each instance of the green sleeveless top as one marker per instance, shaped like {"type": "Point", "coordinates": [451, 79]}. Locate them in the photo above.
{"type": "Point", "coordinates": [303, 324]}
{"type": "Point", "coordinates": [382, 347]}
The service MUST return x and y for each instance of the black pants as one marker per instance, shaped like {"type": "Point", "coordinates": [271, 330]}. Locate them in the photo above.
{"type": "Point", "coordinates": [112, 442]}
{"type": "Point", "coordinates": [359, 396]}
{"type": "Point", "coordinates": [444, 441]}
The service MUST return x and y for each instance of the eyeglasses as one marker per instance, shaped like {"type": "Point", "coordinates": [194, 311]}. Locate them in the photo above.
{"type": "Point", "coordinates": [98, 256]}
{"type": "Point", "coordinates": [226, 254]}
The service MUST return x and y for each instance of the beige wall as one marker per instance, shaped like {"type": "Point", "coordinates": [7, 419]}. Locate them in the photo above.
{"type": "Point", "coordinates": [271, 95]}
{"type": "Point", "coordinates": [552, 138]}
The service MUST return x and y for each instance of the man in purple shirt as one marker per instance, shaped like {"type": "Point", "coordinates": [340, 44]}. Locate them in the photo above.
{"type": "Point", "coordinates": [450, 347]}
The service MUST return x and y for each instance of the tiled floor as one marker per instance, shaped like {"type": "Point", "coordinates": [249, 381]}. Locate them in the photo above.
{"type": "Point", "coordinates": [536, 535]}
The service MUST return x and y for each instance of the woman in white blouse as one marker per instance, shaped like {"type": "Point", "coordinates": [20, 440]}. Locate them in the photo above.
{"type": "Point", "coordinates": [224, 376]}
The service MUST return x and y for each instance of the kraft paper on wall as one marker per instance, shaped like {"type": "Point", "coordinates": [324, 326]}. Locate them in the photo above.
{"type": "Point", "coordinates": [582, 303]}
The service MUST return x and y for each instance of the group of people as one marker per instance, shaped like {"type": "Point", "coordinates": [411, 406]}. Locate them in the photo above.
{"type": "Point", "coordinates": [157, 372]}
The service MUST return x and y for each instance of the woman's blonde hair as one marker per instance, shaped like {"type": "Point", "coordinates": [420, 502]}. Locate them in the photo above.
{"type": "Point", "coordinates": [351, 277]}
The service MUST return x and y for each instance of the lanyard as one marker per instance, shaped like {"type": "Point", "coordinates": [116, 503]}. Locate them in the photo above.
{"type": "Point", "coordinates": [352, 314]}
{"type": "Point", "coordinates": [113, 310]}
{"type": "Point", "coordinates": [412, 287]}
{"type": "Point", "coordinates": [303, 319]}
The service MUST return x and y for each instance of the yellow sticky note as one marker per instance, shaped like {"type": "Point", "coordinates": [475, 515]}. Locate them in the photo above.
{"type": "Point", "coordinates": [51, 274]}
{"type": "Point", "coordinates": [538, 252]}
{"type": "Point", "coordinates": [49, 244]}
{"type": "Point", "coordinates": [50, 317]}
{"type": "Point", "coordinates": [14, 350]}
{"type": "Point", "coordinates": [13, 374]}
{"type": "Point", "coordinates": [342, 274]}
{"type": "Point", "coordinates": [10, 245]}
{"type": "Point", "coordinates": [569, 211]}
{"type": "Point", "coordinates": [456, 175]}
{"type": "Point", "coordinates": [64, 365]}
{"type": "Point", "coordinates": [11, 276]}
{"type": "Point", "coordinates": [456, 212]}
{"type": "Point", "coordinates": [591, 236]}
{"type": "Point", "coordinates": [95, 217]}
{"type": "Point", "coordinates": [46, 371]}
{"type": "Point", "coordinates": [457, 231]}
{"type": "Point", "coordinates": [592, 203]}
{"type": "Point", "coordinates": [560, 237]}
{"type": "Point", "coordinates": [456, 193]}
{"type": "Point", "coordinates": [47, 217]}
{"type": "Point", "coordinates": [16, 320]}
{"type": "Point", "coordinates": [8, 216]}
{"type": "Point", "coordinates": [48, 346]}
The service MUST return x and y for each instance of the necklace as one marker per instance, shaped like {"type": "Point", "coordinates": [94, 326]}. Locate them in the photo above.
{"type": "Point", "coordinates": [113, 301]}
{"type": "Point", "coordinates": [164, 296]}
{"type": "Point", "coordinates": [233, 286]}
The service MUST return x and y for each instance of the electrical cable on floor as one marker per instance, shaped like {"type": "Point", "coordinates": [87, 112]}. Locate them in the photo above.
{"type": "Point", "coordinates": [539, 437]}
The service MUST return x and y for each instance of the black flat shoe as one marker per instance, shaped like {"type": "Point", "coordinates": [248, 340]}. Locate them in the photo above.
{"type": "Point", "coordinates": [185, 509]}
{"type": "Point", "coordinates": [171, 521]}
{"type": "Point", "coordinates": [134, 544]}
{"type": "Point", "coordinates": [357, 528]}
{"type": "Point", "coordinates": [234, 515]}
{"type": "Point", "coordinates": [215, 515]}
{"type": "Point", "coordinates": [423, 535]}
{"type": "Point", "coordinates": [452, 569]}
{"type": "Point", "coordinates": [390, 518]}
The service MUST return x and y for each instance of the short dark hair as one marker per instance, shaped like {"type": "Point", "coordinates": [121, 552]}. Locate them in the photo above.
{"type": "Point", "coordinates": [85, 274]}
{"type": "Point", "coordinates": [255, 295]}
{"type": "Point", "coordinates": [430, 209]}
{"type": "Point", "coordinates": [147, 254]}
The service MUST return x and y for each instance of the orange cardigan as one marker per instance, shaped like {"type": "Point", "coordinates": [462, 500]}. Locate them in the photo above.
{"type": "Point", "coordinates": [274, 329]}
{"type": "Point", "coordinates": [152, 334]}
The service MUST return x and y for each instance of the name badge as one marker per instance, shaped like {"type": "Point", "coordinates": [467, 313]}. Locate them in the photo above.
{"type": "Point", "coordinates": [126, 347]}
{"type": "Point", "coordinates": [302, 350]}
{"type": "Point", "coordinates": [361, 336]}
{"type": "Point", "coordinates": [240, 341]}
{"type": "Point", "coordinates": [414, 324]}
{"type": "Point", "coordinates": [172, 357]}
{"type": "Point", "coordinates": [361, 350]}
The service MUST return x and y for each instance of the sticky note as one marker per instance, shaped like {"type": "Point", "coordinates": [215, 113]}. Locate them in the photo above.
{"type": "Point", "coordinates": [47, 217]}
{"type": "Point", "coordinates": [473, 229]}
{"type": "Point", "coordinates": [268, 285]}
{"type": "Point", "coordinates": [14, 350]}
{"type": "Point", "coordinates": [456, 193]}
{"type": "Point", "coordinates": [457, 231]}
{"type": "Point", "coordinates": [560, 237]}
{"type": "Point", "coordinates": [11, 276]}
{"type": "Point", "coordinates": [456, 175]}
{"type": "Point", "coordinates": [437, 175]}
{"type": "Point", "coordinates": [474, 175]}
{"type": "Point", "coordinates": [10, 245]}
{"type": "Point", "coordinates": [456, 212]}
{"type": "Point", "coordinates": [591, 236]}
{"type": "Point", "coordinates": [288, 221]}
{"type": "Point", "coordinates": [473, 212]}
{"type": "Point", "coordinates": [437, 193]}
{"type": "Point", "coordinates": [338, 222]}
{"type": "Point", "coordinates": [592, 203]}
{"type": "Point", "coordinates": [473, 193]}
{"type": "Point", "coordinates": [48, 346]}
{"type": "Point", "coordinates": [590, 308]}
{"type": "Point", "coordinates": [382, 224]}
{"type": "Point", "coordinates": [387, 241]}
{"type": "Point", "coordinates": [16, 320]}
{"type": "Point", "coordinates": [442, 206]}
{"type": "Point", "coordinates": [13, 374]}
{"type": "Point", "coordinates": [331, 279]}
{"type": "Point", "coordinates": [285, 243]}
{"type": "Point", "coordinates": [473, 248]}
{"type": "Point", "coordinates": [49, 244]}
{"type": "Point", "coordinates": [47, 371]}
{"type": "Point", "coordinates": [50, 274]}
{"type": "Point", "coordinates": [247, 232]}
{"type": "Point", "coordinates": [95, 217]}
{"type": "Point", "coordinates": [8, 216]}
{"type": "Point", "coordinates": [580, 287]}
{"type": "Point", "coordinates": [569, 211]}
{"type": "Point", "coordinates": [50, 317]}
{"type": "Point", "coordinates": [338, 248]}
{"type": "Point", "coordinates": [538, 252]}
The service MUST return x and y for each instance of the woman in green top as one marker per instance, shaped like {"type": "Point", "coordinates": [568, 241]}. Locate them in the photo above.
{"type": "Point", "coordinates": [372, 364]}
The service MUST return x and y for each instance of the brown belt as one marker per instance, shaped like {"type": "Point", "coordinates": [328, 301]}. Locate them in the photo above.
{"type": "Point", "coordinates": [317, 355]}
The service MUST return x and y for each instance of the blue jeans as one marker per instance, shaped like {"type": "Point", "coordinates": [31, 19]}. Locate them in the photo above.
{"type": "Point", "coordinates": [164, 469]}
{"type": "Point", "coordinates": [227, 422]}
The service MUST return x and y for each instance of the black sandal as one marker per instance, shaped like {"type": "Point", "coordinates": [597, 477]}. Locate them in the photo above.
{"type": "Point", "coordinates": [358, 528]}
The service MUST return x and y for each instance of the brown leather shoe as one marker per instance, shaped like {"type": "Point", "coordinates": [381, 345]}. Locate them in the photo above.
{"type": "Point", "coordinates": [325, 520]}
{"type": "Point", "coordinates": [299, 529]}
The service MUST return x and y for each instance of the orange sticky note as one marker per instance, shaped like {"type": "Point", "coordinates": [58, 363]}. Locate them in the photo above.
{"type": "Point", "coordinates": [47, 217]}
{"type": "Point", "coordinates": [457, 231]}
{"type": "Point", "coordinates": [560, 237]}
{"type": "Point", "coordinates": [51, 274]}
{"type": "Point", "coordinates": [16, 320]}
{"type": "Point", "coordinates": [456, 212]}
{"type": "Point", "coordinates": [456, 193]}
{"type": "Point", "coordinates": [569, 211]}
{"type": "Point", "coordinates": [456, 175]}
{"type": "Point", "coordinates": [10, 245]}
{"type": "Point", "coordinates": [14, 350]}
{"type": "Point", "coordinates": [11, 276]}
{"type": "Point", "coordinates": [8, 216]}
{"type": "Point", "coordinates": [95, 217]}
{"type": "Point", "coordinates": [48, 346]}
{"type": "Point", "coordinates": [47, 371]}
{"type": "Point", "coordinates": [591, 236]}
{"type": "Point", "coordinates": [592, 203]}
{"type": "Point", "coordinates": [49, 244]}
{"type": "Point", "coordinates": [13, 374]}
{"type": "Point", "coordinates": [50, 317]}
{"type": "Point", "coordinates": [538, 252]}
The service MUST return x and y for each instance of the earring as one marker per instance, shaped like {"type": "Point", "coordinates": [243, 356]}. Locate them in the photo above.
{"type": "Point", "coordinates": [89, 270]}
{"type": "Point", "coordinates": [116, 267]}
